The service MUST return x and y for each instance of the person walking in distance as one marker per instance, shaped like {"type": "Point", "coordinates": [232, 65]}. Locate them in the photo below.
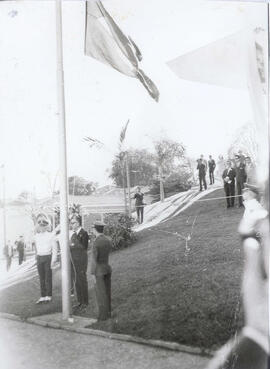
{"type": "Point", "coordinates": [202, 172]}
{"type": "Point", "coordinates": [20, 249]}
{"type": "Point", "coordinates": [229, 184]}
{"type": "Point", "coordinates": [139, 204]}
{"type": "Point", "coordinates": [46, 254]}
{"type": "Point", "coordinates": [8, 253]}
{"type": "Point", "coordinates": [241, 178]}
{"type": "Point", "coordinates": [79, 260]}
{"type": "Point", "coordinates": [101, 271]}
{"type": "Point", "coordinates": [211, 166]}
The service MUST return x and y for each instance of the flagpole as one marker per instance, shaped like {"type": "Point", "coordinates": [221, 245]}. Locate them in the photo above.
{"type": "Point", "coordinates": [128, 184]}
{"type": "Point", "coordinates": [4, 206]}
{"type": "Point", "coordinates": [64, 226]}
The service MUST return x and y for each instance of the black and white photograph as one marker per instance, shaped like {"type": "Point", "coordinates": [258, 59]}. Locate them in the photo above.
{"type": "Point", "coordinates": [134, 184]}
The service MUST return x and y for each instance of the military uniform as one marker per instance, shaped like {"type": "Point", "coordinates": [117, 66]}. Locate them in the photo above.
{"type": "Point", "coordinates": [79, 262]}
{"type": "Point", "coordinates": [101, 269]}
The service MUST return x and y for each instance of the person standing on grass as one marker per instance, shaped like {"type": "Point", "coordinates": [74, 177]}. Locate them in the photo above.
{"type": "Point", "coordinates": [211, 166]}
{"type": "Point", "coordinates": [202, 173]}
{"type": "Point", "coordinates": [8, 253]}
{"type": "Point", "coordinates": [139, 205]}
{"type": "Point", "coordinates": [241, 177]}
{"type": "Point", "coordinates": [101, 271]}
{"type": "Point", "coordinates": [20, 249]}
{"type": "Point", "coordinates": [79, 260]}
{"type": "Point", "coordinates": [229, 184]}
{"type": "Point", "coordinates": [46, 255]}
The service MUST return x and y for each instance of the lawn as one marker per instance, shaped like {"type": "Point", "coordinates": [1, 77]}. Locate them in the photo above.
{"type": "Point", "coordinates": [162, 289]}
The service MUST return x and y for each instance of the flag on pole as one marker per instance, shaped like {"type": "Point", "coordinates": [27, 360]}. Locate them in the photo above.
{"type": "Point", "coordinates": [123, 132]}
{"type": "Point", "coordinates": [111, 46]}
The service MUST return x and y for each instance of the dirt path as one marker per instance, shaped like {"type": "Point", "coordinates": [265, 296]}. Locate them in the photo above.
{"type": "Point", "coordinates": [26, 346]}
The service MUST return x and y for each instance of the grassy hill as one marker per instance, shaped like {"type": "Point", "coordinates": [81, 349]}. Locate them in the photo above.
{"type": "Point", "coordinates": [162, 289]}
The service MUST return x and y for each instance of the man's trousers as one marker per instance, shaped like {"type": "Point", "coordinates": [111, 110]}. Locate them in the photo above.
{"type": "Point", "coordinates": [139, 210]}
{"type": "Point", "coordinates": [240, 186]}
{"type": "Point", "coordinates": [202, 182]}
{"type": "Point", "coordinates": [103, 293]}
{"type": "Point", "coordinates": [211, 176]}
{"type": "Point", "coordinates": [229, 189]}
{"type": "Point", "coordinates": [45, 274]}
{"type": "Point", "coordinates": [79, 262]}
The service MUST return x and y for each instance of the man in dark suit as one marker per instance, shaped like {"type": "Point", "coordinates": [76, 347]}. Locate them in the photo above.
{"type": "Point", "coordinates": [211, 166]}
{"type": "Point", "coordinates": [250, 349]}
{"type": "Point", "coordinates": [241, 177]}
{"type": "Point", "coordinates": [101, 271]}
{"type": "Point", "coordinates": [20, 249]}
{"type": "Point", "coordinates": [79, 260]}
{"type": "Point", "coordinates": [202, 172]}
{"type": "Point", "coordinates": [229, 184]}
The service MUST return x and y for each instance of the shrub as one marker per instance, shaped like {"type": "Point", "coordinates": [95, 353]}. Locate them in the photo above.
{"type": "Point", "coordinates": [119, 229]}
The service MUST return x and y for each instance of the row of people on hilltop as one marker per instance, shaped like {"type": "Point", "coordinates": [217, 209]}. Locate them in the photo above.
{"type": "Point", "coordinates": [244, 168]}
{"type": "Point", "coordinates": [238, 172]}
{"type": "Point", "coordinates": [202, 166]}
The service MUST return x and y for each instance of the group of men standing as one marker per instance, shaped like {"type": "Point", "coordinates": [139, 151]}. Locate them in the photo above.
{"type": "Point", "coordinates": [100, 270]}
{"type": "Point", "coordinates": [237, 173]}
{"type": "Point", "coordinates": [202, 167]}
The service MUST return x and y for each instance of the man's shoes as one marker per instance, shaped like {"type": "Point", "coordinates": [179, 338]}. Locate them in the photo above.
{"type": "Point", "coordinates": [83, 308]}
{"type": "Point", "coordinates": [228, 206]}
{"type": "Point", "coordinates": [41, 300]}
{"type": "Point", "coordinates": [48, 298]}
{"type": "Point", "coordinates": [76, 306]}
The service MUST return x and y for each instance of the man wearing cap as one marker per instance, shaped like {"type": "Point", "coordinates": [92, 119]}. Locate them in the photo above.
{"type": "Point", "coordinates": [101, 271]}
{"type": "Point", "coordinates": [241, 177]}
{"type": "Point", "coordinates": [229, 184]}
{"type": "Point", "coordinates": [79, 261]}
{"type": "Point", "coordinates": [46, 254]}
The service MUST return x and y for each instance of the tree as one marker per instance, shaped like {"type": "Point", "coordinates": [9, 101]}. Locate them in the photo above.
{"type": "Point", "coordinates": [167, 151]}
{"type": "Point", "coordinates": [79, 186]}
{"type": "Point", "coordinates": [142, 168]}
{"type": "Point", "coordinates": [246, 140]}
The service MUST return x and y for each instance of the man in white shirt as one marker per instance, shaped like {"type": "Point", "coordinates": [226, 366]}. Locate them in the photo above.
{"type": "Point", "coordinates": [46, 253]}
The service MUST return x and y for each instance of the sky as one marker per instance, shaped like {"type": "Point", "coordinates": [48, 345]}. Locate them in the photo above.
{"type": "Point", "coordinates": [99, 100]}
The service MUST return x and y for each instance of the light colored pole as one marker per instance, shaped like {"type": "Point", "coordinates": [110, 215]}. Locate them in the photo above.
{"type": "Point", "coordinates": [64, 221]}
{"type": "Point", "coordinates": [161, 187]}
{"type": "Point", "coordinates": [128, 185]}
{"type": "Point", "coordinates": [4, 205]}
